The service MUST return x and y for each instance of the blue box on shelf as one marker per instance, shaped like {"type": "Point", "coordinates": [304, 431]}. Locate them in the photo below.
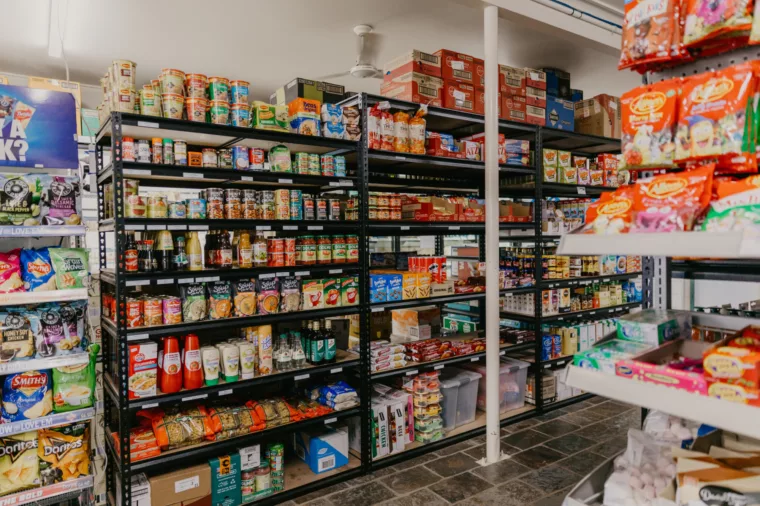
{"type": "Point", "coordinates": [378, 288]}
{"type": "Point", "coordinates": [560, 114]}
{"type": "Point", "coordinates": [394, 283]}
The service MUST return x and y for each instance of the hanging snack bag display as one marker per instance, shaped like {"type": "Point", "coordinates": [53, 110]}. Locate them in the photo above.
{"type": "Point", "coordinates": [649, 34]}
{"type": "Point", "coordinates": [735, 206]}
{"type": "Point", "coordinates": [20, 196]}
{"type": "Point", "coordinates": [64, 453]}
{"type": "Point", "coordinates": [706, 20]}
{"type": "Point", "coordinates": [672, 202]}
{"type": "Point", "coordinates": [19, 464]}
{"type": "Point", "coordinates": [649, 120]}
{"type": "Point", "coordinates": [612, 213]}
{"type": "Point", "coordinates": [61, 201]}
{"type": "Point", "coordinates": [715, 119]}
{"type": "Point", "coordinates": [26, 396]}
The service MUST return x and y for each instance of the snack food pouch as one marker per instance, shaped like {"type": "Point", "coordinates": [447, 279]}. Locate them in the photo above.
{"type": "Point", "coordinates": [374, 119]}
{"type": "Point", "coordinates": [61, 200]}
{"type": "Point", "coordinates": [73, 386]}
{"type": "Point", "coordinates": [10, 272]}
{"type": "Point", "coordinates": [61, 333]}
{"type": "Point", "coordinates": [219, 300]}
{"type": "Point", "coordinates": [194, 305]}
{"type": "Point", "coordinates": [401, 132]}
{"type": "Point", "coordinates": [672, 202]}
{"type": "Point", "coordinates": [64, 453]}
{"type": "Point", "coordinates": [71, 267]}
{"type": "Point", "coordinates": [649, 33]}
{"type": "Point", "coordinates": [712, 19]}
{"type": "Point", "coordinates": [754, 34]}
{"type": "Point", "coordinates": [20, 196]}
{"type": "Point", "coordinates": [649, 121]}
{"type": "Point", "coordinates": [37, 270]}
{"type": "Point", "coordinates": [715, 119]}
{"type": "Point", "coordinates": [26, 396]}
{"type": "Point", "coordinates": [245, 297]}
{"type": "Point", "coordinates": [612, 213]}
{"type": "Point", "coordinates": [417, 126]}
{"type": "Point", "coordinates": [19, 464]}
{"type": "Point", "coordinates": [737, 206]}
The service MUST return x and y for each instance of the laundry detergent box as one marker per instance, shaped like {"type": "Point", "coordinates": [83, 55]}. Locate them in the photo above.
{"type": "Point", "coordinates": [322, 449]}
{"type": "Point", "coordinates": [654, 326]}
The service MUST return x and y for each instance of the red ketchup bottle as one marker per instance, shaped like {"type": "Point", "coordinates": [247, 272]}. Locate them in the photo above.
{"type": "Point", "coordinates": [171, 370]}
{"type": "Point", "coordinates": [191, 368]}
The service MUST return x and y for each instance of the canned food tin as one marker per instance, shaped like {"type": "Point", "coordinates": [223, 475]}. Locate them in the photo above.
{"type": "Point", "coordinates": [233, 206]}
{"type": "Point", "coordinates": [334, 212]}
{"type": "Point", "coordinates": [321, 208]}
{"type": "Point", "coordinates": [328, 165]}
{"type": "Point", "coordinates": [135, 207]}
{"type": "Point", "coordinates": [372, 213]}
{"type": "Point", "coordinates": [196, 209]}
{"type": "Point", "coordinates": [240, 115]}
{"type": "Point", "coordinates": [290, 258]}
{"type": "Point", "coordinates": [301, 164]}
{"type": "Point", "coordinates": [240, 158]}
{"type": "Point", "coordinates": [131, 187]}
{"type": "Point", "coordinates": [143, 151]}
{"type": "Point", "coordinates": [395, 214]}
{"type": "Point", "coordinates": [256, 157]}
{"type": "Point", "coordinates": [177, 210]}
{"type": "Point", "coordinates": [275, 259]}
{"type": "Point", "coordinates": [128, 149]}
{"type": "Point", "coordinates": [395, 201]}
{"type": "Point", "coordinates": [157, 150]}
{"type": "Point", "coordinates": [296, 205]}
{"type": "Point", "coordinates": [372, 200]}
{"type": "Point", "coordinates": [180, 152]}
{"type": "Point", "coordinates": [275, 245]}
{"type": "Point", "coordinates": [314, 169]}
{"type": "Point", "coordinates": [249, 205]}
{"type": "Point", "coordinates": [210, 157]}
{"type": "Point", "coordinates": [383, 213]}
{"type": "Point", "coordinates": [168, 152]}
{"type": "Point", "coordinates": [383, 200]}
{"type": "Point", "coordinates": [172, 310]}
{"type": "Point", "coordinates": [157, 207]}
{"type": "Point", "coordinates": [225, 158]}
{"type": "Point", "coordinates": [266, 201]}
{"type": "Point", "coordinates": [152, 311]}
{"type": "Point", "coordinates": [290, 244]}
{"type": "Point", "coordinates": [134, 313]}
{"type": "Point", "coordinates": [340, 166]}
{"type": "Point", "coordinates": [282, 204]}
{"type": "Point", "coordinates": [308, 208]}
{"type": "Point", "coordinates": [215, 203]}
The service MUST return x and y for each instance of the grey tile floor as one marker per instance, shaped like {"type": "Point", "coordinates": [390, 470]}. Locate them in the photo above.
{"type": "Point", "coordinates": [548, 455]}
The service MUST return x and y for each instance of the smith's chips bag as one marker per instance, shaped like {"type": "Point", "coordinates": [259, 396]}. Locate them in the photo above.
{"type": "Point", "coordinates": [37, 270]}
{"type": "Point", "coordinates": [26, 396]}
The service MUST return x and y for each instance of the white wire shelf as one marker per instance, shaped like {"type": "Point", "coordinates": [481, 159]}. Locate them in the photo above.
{"type": "Point", "coordinates": [9, 429]}
{"type": "Point", "coordinates": [22, 298]}
{"type": "Point", "coordinates": [43, 363]}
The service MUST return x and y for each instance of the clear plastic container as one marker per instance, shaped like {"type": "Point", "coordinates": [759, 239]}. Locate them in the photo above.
{"type": "Point", "coordinates": [512, 376]}
{"type": "Point", "coordinates": [450, 391]}
{"type": "Point", "coordinates": [460, 391]}
{"type": "Point", "coordinates": [428, 424]}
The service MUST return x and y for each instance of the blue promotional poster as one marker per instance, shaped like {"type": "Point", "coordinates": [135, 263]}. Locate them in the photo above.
{"type": "Point", "coordinates": [37, 128]}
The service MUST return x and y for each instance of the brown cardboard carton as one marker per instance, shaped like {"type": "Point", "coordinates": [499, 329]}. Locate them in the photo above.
{"type": "Point", "coordinates": [187, 487]}
{"type": "Point", "coordinates": [72, 87]}
{"type": "Point", "coordinates": [412, 61]}
{"type": "Point", "coordinates": [598, 116]}
{"type": "Point", "coordinates": [415, 87]}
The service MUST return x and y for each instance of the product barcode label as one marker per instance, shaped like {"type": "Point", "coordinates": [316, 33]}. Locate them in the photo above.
{"type": "Point", "coordinates": [225, 392]}
{"type": "Point", "coordinates": [300, 377]}
{"type": "Point", "coordinates": [147, 124]}
{"type": "Point", "coordinates": [459, 95]}
{"type": "Point", "coordinates": [457, 65]}
{"type": "Point", "coordinates": [326, 463]}
{"type": "Point", "coordinates": [581, 190]}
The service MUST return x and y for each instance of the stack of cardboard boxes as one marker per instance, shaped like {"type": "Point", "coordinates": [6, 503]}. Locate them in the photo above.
{"type": "Point", "coordinates": [522, 95]}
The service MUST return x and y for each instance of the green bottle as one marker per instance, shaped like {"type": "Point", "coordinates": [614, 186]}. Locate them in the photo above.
{"type": "Point", "coordinates": [329, 340]}
{"type": "Point", "coordinates": [317, 345]}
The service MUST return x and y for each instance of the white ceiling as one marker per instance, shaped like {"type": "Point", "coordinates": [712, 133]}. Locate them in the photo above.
{"type": "Point", "coordinates": [270, 42]}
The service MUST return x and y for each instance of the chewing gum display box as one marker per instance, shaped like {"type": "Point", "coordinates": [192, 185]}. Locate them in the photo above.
{"type": "Point", "coordinates": [654, 327]}
{"type": "Point", "coordinates": [412, 61]}
{"type": "Point", "coordinates": [460, 67]}
{"type": "Point", "coordinates": [415, 87]}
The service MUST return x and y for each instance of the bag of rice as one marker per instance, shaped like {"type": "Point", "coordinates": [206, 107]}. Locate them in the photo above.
{"type": "Point", "coordinates": [37, 270]}
{"type": "Point", "coordinates": [10, 272]}
{"type": "Point", "coordinates": [71, 267]}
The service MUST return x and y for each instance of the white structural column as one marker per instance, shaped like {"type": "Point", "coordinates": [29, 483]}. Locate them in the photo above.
{"type": "Point", "coordinates": [493, 429]}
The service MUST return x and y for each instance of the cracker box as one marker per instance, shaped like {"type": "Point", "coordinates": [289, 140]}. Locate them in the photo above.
{"type": "Point", "coordinates": [535, 115]}
{"type": "Point", "coordinates": [412, 61]}
{"type": "Point", "coordinates": [394, 283]}
{"type": "Point", "coordinates": [459, 96]}
{"type": "Point", "coordinates": [551, 165]}
{"type": "Point", "coordinates": [511, 81]}
{"type": "Point", "coordinates": [565, 169]}
{"type": "Point", "coordinates": [582, 169]}
{"type": "Point", "coordinates": [535, 78]}
{"type": "Point", "coordinates": [535, 96]}
{"type": "Point", "coordinates": [560, 114]}
{"type": "Point", "coordinates": [378, 288]}
{"type": "Point", "coordinates": [600, 115]}
{"type": "Point", "coordinates": [407, 322]}
{"type": "Point", "coordinates": [380, 435]}
{"type": "Point", "coordinates": [458, 67]}
{"type": "Point", "coordinates": [409, 285]}
{"type": "Point", "coordinates": [481, 139]}
{"type": "Point", "coordinates": [424, 280]}
{"type": "Point", "coordinates": [225, 480]}
{"type": "Point", "coordinates": [415, 87]}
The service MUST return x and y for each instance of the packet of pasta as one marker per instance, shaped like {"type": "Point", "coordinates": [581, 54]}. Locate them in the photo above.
{"type": "Point", "coordinates": [712, 19]}
{"type": "Point", "coordinates": [715, 119]}
{"type": "Point", "coordinates": [649, 33]}
{"type": "Point", "coordinates": [648, 121]}
{"type": "Point", "coordinates": [612, 213]}
{"type": "Point", "coordinates": [672, 202]}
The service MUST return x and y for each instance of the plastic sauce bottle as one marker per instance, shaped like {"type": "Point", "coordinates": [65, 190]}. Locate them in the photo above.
{"type": "Point", "coordinates": [192, 373]}
{"type": "Point", "coordinates": [194, 253]}
{"type": "Point", "coordinates": [171, 372]}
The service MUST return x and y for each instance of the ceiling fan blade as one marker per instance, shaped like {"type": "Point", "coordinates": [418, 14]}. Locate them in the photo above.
{"type": "Point", "coordinates": [334, 76]}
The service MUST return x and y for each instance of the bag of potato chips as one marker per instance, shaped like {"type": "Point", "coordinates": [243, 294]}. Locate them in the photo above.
{"type": "Point", "coordinates": [64, 453]}
{"type": "Point", "coordinates": [19, 464]}
{"type": "Point", "coordinates": [71, 267]}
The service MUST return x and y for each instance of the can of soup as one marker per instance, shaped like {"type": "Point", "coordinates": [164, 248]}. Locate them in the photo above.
{"type": "Point", "coordinates": [240, 158]}
{"type": "Point", "coordinates": [256, 157]}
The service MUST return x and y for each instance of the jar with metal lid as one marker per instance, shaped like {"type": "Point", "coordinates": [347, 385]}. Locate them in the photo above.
{"type": "Point", "coordinates": [334, 210]}
{"type": "Point", "coordinates": [210, 158]}
{"type": "Point", "coordinates": [308, 253]}
{"type": "Point", "coordinates": [324, 249]}
{"type": "Point", "coordinates": [225, 158]}
{"type": "Point", "coordinates": [180, 152]}
{"type": "Point", "coordinates": [339, 249]}
{"type": "Point", "coordinates": [383, 213]}
{"type": "Point", "coordinates": [383, 200]}
{"type": "Point", "coordinates": [157, 207]}
{"type": "Point", "coordinates": [143, 151]}
{"type": "Point", "coordinates": [372, 213]}
{"type": "Point", "coordinates": [352, 249]}
{"type": "Point", "coordinates": [372, 199]}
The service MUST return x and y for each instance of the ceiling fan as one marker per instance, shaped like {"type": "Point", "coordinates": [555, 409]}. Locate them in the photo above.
{"type": "Point", "coordinates": [363, 69]}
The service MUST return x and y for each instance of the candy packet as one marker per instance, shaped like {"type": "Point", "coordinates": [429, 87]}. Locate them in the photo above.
{"type": "Point", "coordinates": [649, 33]}
{"type": "Point", "coordinates": [649, 120]}
{"type": "Point", "coordinates": [707, 20]}
{"type": "Point", "coordinates": [10, 272]}
{"type": "Point", "coordinates": [612, 213]}
{"type": "Point", "coordinates": [737, 206]}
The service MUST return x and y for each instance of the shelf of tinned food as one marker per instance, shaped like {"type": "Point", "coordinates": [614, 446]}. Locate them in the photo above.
{"type": "Point", "coordinates": [159, 174]}
{"type": "Point", "coordinates": [34, 364]}
{"type": "Point", "coordinates": [23, 298]}
{"type": "Point", "coordinates": [390, 228]}
{"type": "Point", "coordinates": [592, 314]}
{"type": "Point", "coordinates": [587, 280]}
{"type": "Point", "coordinates": [391, 162]}
{"type": "Point", "coordinates": [62, 492]}
{"type": "Point", "coordinates": [461, 433]}
{"type": "Point", "coordinates": [208, 134]}
{"type": "Point", "coordinates": [726, 245]}
{"type": "Point", "coordinates": [42, 230]}
{"type": "Point", "coordinates": [208, 275]}
{"type": "Point", "coordinates": [199, 453]}
{"type": "Point", "coordinates": [436, 365]}
{"type": "Point", "coordinates": [344, 361]}
{"type": "Point", "coordinates": [139, 333]}
{"type": "Point", "coordinates": [43, 422]}
{"type": "Point", "coordinates": [723, 414]}
{"type": "Point", "coordinates": [209, 224]}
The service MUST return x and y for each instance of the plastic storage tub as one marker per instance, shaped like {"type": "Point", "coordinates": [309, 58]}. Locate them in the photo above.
{"type": "Point", "coordinates": [460, 391]}
{"type": "Point", "coordinates": [512, 376]}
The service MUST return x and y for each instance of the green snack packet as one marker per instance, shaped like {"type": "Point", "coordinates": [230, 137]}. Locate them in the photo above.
{"type": "Point", "coordinates": [73, 387]}
{"type": "Point", "coordinates": [71, 267]}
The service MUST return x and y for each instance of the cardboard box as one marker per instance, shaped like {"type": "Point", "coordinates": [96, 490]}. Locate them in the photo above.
{"type": "Point", "coordinates": [535, 96]}
{"type": "Point", "coordinates": [459, 96]}
{"type": "Point", "coordinates": [535, 78]}
{"type": "Point", "coordinates": [598, 116]}
{"type": "Point", "coordinates": [458, 67]}
{"type": "Point", "coordinates": [429, 209]}
{"type": "Point", "coordinates": [535, 115]}
{"type": "Point", "coordinates": [380, 435]}
{"type": "Point", "coordinates": [511, 81]}
{"type": "Point", "coordinates": [407, 322]}
{"type": "Point", "coordinates": [71, 87]}
{"type": "Point", "coordinates": [646, 367]}
{"type": "Point", "coordinates": [481, 139]}
{"type": "Point", "coordinates": [480, 103]}
{"type": "Point", "coordinates": [459, 326]}
{"type": "Point", "coordinates": [322, 449]}
{"type": "Point", "coordinates": [558, 83]}
{"type": "Point", "coordinates": [441, 290]}
{"type": "Point", "coordinates": [576, 95]}
{"type": "Point", "coordinates": [415, 87]}
{"type": "Point", "coordinates": [551, 165]}
{"type": "Point", "coordinates": [560, 114]}
{"type": "Point", "coordinates": [185, 487]}
{"type": "Point", "coordinates": [225, 480]}
{"type": "Point", "coordinates": [299, 87]}
{"type": "Point", "coordinates": [513, 108]}
{"type": "Point", "coordinates": [565, 168]}
{"type": "Point", "coordinates": [139, 488]}
{"type": "Point", "coordinates": [412, 61]}
{"type": "Point", "coordinates": [515, 212]}
{"type": "Point", "coordinates": [473, 210]}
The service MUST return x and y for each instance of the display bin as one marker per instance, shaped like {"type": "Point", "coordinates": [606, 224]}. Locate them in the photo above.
{"type": "Point", "coordinates": [590, 490]}
{"type": "Point", "coordinates": [459, 388]}
{"type": "Point", "coordinates": [512, 376]}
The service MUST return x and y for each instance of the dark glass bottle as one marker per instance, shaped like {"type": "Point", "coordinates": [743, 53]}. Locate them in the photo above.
{"type": "Point", "coordinates": [131, 254]}
{"type": "Point", "coordinates": [179, 258]}
{"type": "Point", "coordinates": [225, 251]}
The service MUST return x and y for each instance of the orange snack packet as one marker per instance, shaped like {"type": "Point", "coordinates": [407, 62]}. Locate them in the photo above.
{"type": "Point", "coordinates": [649, 33]}
{"type": "Point", "coordinates": [649, 121]}
{"type": "Point", "coordinates": [712, 19]}
{"type": "Point", "coordinates": [612, 213]}
{"type": "Point", "coordinates": [672, 202]}
{"type": "Point", "coordinates": [401, 132]}
{"type": "Point", "coordinates": [726, 187]}
{"type": "Point", "coordinates": [417, 126]}
{"type": "Point", "coordinates": [713, 119]}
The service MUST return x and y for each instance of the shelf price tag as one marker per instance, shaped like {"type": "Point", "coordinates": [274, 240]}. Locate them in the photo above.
{"type": "Point", "coordinates": [474, 359]}
{"type": "Point", "coordinates": [137, 172]}
{"type": "Point", "coordinates": [246, 178]}
{"type": "Point", "coordinates": [194, 397]}
{"type": "Point", "coordinates": [378, 309]}
{"type": "Point", "coordinates": [280, 274]}
{"type": "Point", "coordinates": [197, 175]}
{"type": "Point", "coordinates": [438, 367]}
{"type": "Point", "coordinates": [289, 227]}
{"type": "Point", "coordinates": [502, 352]}
{"type": "Point", "coordinates": [454, 228]}
{"type": "Point", "coordinates": [334, 183]}
{"type": "Point", "coordinates": [300, 377]}
{"type": "Point", "coordinates": [147, 124]}
{"type": "Point", "coordinates": [148, 406]}
{"type": "Point", "coordinates": [345, 182]}
{"type": "Point", "coordinates": [156, 227]}
{"type": "Point", "coordinates": [411, 373]}
{"type": "Point", "coordinates": [176, 227]}
{"type": "Point", "coordinates": [302, 273]}
{"type": "Point", "coordinates": [134, 227]}
{"type": "Point", "coordinates": [165, 281]}
{"type": "Point", "coordinates": [315, 227]}
{"type": "Point", "coordinates": [185, 281]}
{"type": "Point", "coordinates": [267, 276]}
{"type": "Point", "coordinates": [581, 190]}
{"type": "Point", "coordinates": [138, 282]}
{"type": "Point", "coordinates": [336, 271]}
{"type": "Point", "coordinates": [336, 370]}
{"type": "Point", "coordinates": [137, 337]}
{"type": "Point", "coordinates": [331, 420]}
{"type": "Point", "coordinates": [263, 227]}
{"type": "Point", "coordinates": [400, 158]}
{"type": "Point", "coordinates": [546, 366]}
{"type": "Point", "coordinates": [405, 228]}
{"type": "Point", "coordinates": [198, 227]}
{"type": "Point", "coordinates": [285, 181]}
{"type": "Point", "coordinates": [222, 393]}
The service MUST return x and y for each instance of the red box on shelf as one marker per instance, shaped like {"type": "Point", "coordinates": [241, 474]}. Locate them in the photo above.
{"type": "Point", "coordinates": [481, 139]}
{"type": "Point", "coordinates": [458, 66]}
{"type": "Point", "coordinates": [480, 105]}
{"type": "Point", "coordinates": [479, 79]}
{"type": "Point", "coordinates": [435, 147]}
{"type": "Point", "coordinates": [535, 115]}
{"type": "Point", "coordinates": [511, 81]}
{"type": "Point", "coordinates": [473, 210]}
{"type": "Point", "coordinates": [429, 209]}
{"type": "Point", "coordinates": [459, 96]}
{"type": "Point", "coordinates": [536, 97]}
{"type": "Point", "coordinates": [412, 61]}
{"type": "Point", "coordinates": [415, 87]}
{"type": "Point", "coordinates": [535, 78]}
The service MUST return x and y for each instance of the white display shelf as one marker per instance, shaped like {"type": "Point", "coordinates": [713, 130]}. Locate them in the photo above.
{"type": "Point", "coordinates": [42, 231]}
{"type": "Point", "coordinates": [43, 363]}
{"type": "Point", "coordinates": [730, 416]}
{"type": "Point", "coordinates": [9, 429]}
{"type": "Point", "coordinates": [21, 298]}
{"type": "Point", "coordinates": [40, 494]}
{"type": "Point", "coordinates": [739, 244]}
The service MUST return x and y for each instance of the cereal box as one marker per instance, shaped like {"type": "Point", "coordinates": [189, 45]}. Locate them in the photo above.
{"type": "Point", "coordinates": [550, 165]}
{"type": "Point", "coordinates": [423, 284]}
{"type": "Point", "coordinates": [582, 169]}
{"type": "Point", "coordinates": [349, 291]}
{"type": "Point", "coordinates": [142, 370]}
{"type": "Point", "coordinates": [565, 168]}
{"type": "Point", "coordinates": [595, 174]}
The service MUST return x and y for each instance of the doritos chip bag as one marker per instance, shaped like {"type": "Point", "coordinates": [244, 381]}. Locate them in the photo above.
{"type": "Point", "coordinates": [714, 119]}
{"type": "Point", "coordinates": [648, 124]}
{"type": "Point", "coordinates": [672, 202]}
{"type": "Point", "coordinates": [64, 453]}
{"type": "Point", "coordinates": [19, 465]}
{"type": "Point", "coordinates": [611, 214]}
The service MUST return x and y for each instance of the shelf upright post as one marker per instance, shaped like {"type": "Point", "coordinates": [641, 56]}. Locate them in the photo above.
{"type": "Point", "coordinates": [362, 178]}
{"type": "Point", "coordinates": [493, 422]}
{"type": "Point", "coordinates": [538, 271]}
